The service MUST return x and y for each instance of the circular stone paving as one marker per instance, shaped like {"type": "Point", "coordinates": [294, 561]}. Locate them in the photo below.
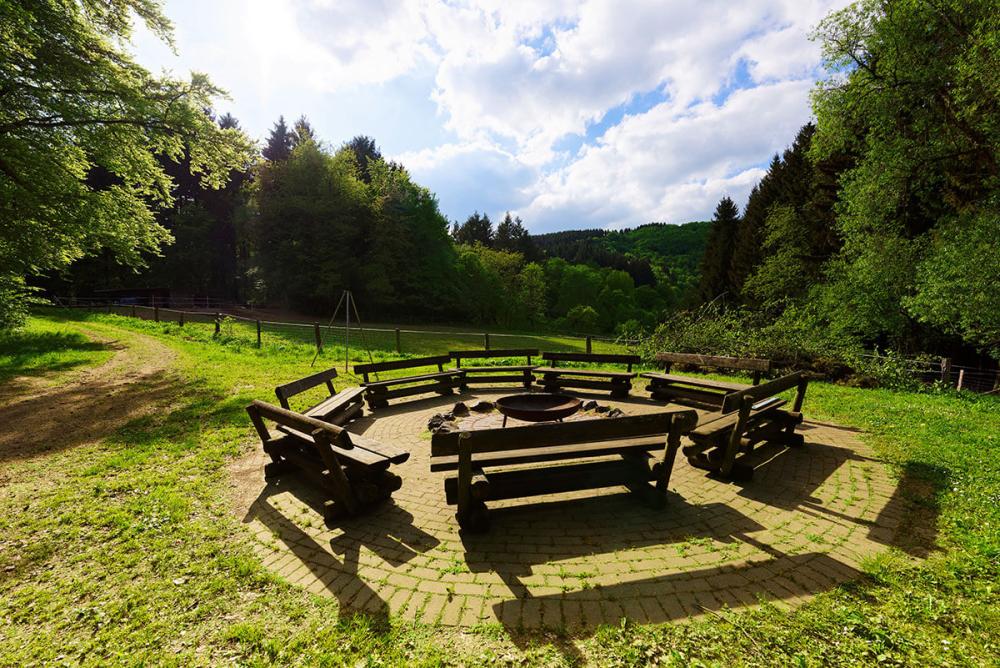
{"type": "Point", "coordinates": [799, 527]}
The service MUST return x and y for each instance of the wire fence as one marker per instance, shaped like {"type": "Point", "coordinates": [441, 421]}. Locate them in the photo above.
{"type": "Point", "coordinates": [945, 372]}
{"type": "Point", "coordinates": [392, 340]}
{"type": "Point", "coordinates": [383, 341]}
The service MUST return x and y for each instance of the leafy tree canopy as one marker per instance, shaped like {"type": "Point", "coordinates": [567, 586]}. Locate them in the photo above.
{"type": "Point", "coordinates": [82, 132]}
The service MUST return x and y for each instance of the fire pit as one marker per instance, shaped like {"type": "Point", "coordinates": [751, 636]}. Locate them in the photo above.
{"type": "Point", "coordinates": [539, 407]}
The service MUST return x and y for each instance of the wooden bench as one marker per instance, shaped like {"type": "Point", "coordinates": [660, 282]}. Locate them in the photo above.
{"type": "Point", "coordinates": [379, 392]}
{"type": "Point", "coordinates": [339, 408]}
{"type": "Point", "coordinates": [351, 469]}
{"type": "Point", "coordinates": [700, 392]}
{"type": "Point", "coordinates": [557, 457]}
{"type": "Point", "coordinates": [496, 374]}
{"type": "Point", "coordinates": [747, 417]}
{"type": "Point", "coordinates": [553, 378]}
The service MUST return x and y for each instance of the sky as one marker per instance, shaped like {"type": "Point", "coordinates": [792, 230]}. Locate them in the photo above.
{"type": "Point", "coordinates": [592, 114]}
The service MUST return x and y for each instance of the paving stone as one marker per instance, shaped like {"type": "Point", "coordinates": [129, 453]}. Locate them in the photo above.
{"type": "Point", "coordinates": [801, 526]}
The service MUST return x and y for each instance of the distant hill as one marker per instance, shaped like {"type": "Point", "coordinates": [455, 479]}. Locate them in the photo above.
{"type": "Point", "coordinates": [671, 253]}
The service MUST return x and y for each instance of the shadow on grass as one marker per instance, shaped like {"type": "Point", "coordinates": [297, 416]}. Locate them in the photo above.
{"type": "Point", "coordinates": [24, 353]}
{"type": "Point", "coordinates": [76, 414]}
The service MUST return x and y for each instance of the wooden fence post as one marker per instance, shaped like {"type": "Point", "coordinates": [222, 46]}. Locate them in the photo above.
{"type": "Point", "coordinates": [258, 333]}
{"type": "Point", "coordinates": [590, 345]}
{"type": "Point", "coordinates": [961, 377]}
{"type": "Point", "coordinates": [218, 324]}
{"type": "Point", "coordinates": [945, 369]}
{"type": "Point", "coordinates": [399, 347]}
{"type": "Point", "coordinates": [319, 340]}
{"type": "Point", "coordinates": [156, 313]}
{"type": "Point", "coordinates": [180, 318]}
{"type": "Point", "coordinates": [486, 341]}
{"type": "Point", "coordinates": [133, 310]}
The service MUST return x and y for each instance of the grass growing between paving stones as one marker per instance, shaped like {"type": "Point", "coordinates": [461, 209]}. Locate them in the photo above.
{"type": "Point", "coordinates": [126, 552]}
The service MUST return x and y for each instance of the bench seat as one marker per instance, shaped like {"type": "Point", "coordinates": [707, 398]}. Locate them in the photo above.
{"type": "Point", "coordinates": [331, 406]}
{"type": "Point", "coordinates": [696, 382]}
{"type": "Point", "coordinates": [750, 416]}
{"type": "Point", "coordinates": [529, 455]}
{"type": "Point", "coordinates": [378, 392]}
{"type": "Point", "coordinates": [554, 378]}
{"type": "Point", "coordinates": [517, 462]}
{"type": "Point", "coordinates": [405, 380]}
{"type": "Point", "coordinates": [486, 374]}
{"type": "Point", "coordinates": [339, 408]}
{"type": "Point", "coordinates": [600, 373]}
{"type": "Point", "coordinates": [353, 470]}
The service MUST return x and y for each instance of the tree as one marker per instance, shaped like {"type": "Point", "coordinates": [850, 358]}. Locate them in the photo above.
{"type": "Point", "coordinates": [719, 251]}
{"type": "Point", "coordinates": [914, 94]}
{"type": "Point", "coordinates": [365, 152]}
{"type": "Point", "coordinates": [82, 131]}
{"type": "Point", "coordinates": [303, 131]}
{"type": "Point", "coordinates": [279, 143]}
{"type": "Point", "coordinates": [476, 229]}
{"type": "Point", "coordinates": [799, 233]}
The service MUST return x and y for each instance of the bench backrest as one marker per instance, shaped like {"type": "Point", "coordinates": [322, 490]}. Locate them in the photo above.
{"type": "Point", "coordinates": [757, 393]}
{"type": "Point", "coordinates": [284, 392]}
{"type": "Point", "coordinates": [593, 358]}
{"type": "Point", "coordinates": [414, 362]}
{"type": "Point", "coordinates": [562, 433]}
{"type": "Point", "coordinates": [459, 355]}
{"type": "Point", "coordinates": [758, 366]}
{"type": "Point", "coordinates": [261, 410]}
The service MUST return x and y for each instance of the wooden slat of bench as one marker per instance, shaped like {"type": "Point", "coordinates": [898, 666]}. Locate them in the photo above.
{"type": "Point", "coordinates": [413, 390]}
{"type": "Point", "coordinates": [287, 390]}
{"type": "Point", "coordinates": [563, 433]}
{"type": "Point", "coordinates": [520, 483]}
{"type": "Point", "coordinates": [391, 452]}
{"type": "Point", "coordinates": [668, 379]}
{"type": "Point", "coordinates": [739, 363]}
{"type": "Point", "coordinates": [559, 371]}
{"type": "Point", "coordinates": [583, 384]}
{"type": "Point", "coordinates": [720, 423]}
{"type": "Point", "coordinates": [554, 453]}
{"type": "Point", "coordinates": [486, 354]}
{"type": "Point", "coordinates": [498, 369]}
{"type": "Point", "coordinates": [413, 363]}
{"type": "Point", "coordinates": [340, 400]}
{"type": "Point", "coordinates": [491, 378]}
{"type": "Point", "coordinates": [357, 455]}
{"type": "Point", "coordinates": [413, 379]}
{"type": "Point", "coordinates": [597, 358]}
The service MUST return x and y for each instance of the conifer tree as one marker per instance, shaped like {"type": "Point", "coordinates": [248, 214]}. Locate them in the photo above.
{"type": "Point", "coordinates": [279, 143]}
{"type": "Point", "coordinates": [302, 131]}
{"type": "Point", "coordinates": [719, 251]}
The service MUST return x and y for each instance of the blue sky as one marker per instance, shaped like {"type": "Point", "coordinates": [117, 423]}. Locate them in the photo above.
{"type": "Point", "coordinates": [569, 114]}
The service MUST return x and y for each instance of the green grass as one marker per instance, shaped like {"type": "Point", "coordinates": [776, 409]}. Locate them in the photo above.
{"type": "Point", "coordinates": [124, 552]}
{"type": "Point", "coordinates": [45, 347]}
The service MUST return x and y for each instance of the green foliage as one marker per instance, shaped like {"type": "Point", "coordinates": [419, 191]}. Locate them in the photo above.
{"type": "Point", "coordinates": [958, 280]}
{"type": "Point", "coordinates": [719, 251]}
{"type": "Point", "coordinates": [82, 132]}
{"type": "Point", "coordinates": [914, 94]}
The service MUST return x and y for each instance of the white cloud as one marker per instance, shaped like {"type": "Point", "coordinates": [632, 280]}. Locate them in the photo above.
{"type": "Point", "coordinates": [515, 81]}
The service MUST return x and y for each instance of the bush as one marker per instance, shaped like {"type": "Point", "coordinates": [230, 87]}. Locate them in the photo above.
{"type": "Point", "coordinates": [793, 341]}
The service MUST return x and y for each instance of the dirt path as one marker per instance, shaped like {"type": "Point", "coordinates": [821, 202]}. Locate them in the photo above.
{"type": "Point", "coordinates": [41, 416]}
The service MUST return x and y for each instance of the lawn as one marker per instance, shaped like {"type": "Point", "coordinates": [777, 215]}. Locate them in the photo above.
{"type": "Point", "coordinates": [125, 551]}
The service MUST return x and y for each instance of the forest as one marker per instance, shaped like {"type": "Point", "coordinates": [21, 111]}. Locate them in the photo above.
{"type": "Point", "coordinates": [875, 229]}
{"type": "Point", "coordinates": [305, 220]}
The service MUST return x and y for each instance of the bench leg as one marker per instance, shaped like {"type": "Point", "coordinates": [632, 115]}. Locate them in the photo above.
{"type": "Point", "coordinates": [476, 518]}
{"type": "Point", "coordinates": [276, 468]}
{"type": "Point", "coordinates": [620, 390]}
